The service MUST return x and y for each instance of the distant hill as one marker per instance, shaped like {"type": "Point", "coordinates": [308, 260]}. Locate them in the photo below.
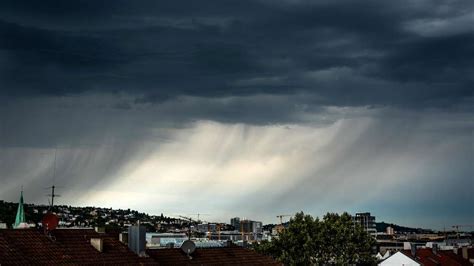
{"type": "Point", "coordinates": [90, 216]}
{"type": "Point", "coordinates": [381, 227]}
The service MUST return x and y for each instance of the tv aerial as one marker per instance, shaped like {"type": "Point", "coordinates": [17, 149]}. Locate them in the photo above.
{"type": "Point", "coordinates": [52, 195]}
{"type": "Point", "coordinates": [53, 187]}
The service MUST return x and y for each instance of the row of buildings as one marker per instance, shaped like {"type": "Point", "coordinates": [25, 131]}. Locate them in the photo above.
{"type": "Point", "coordinates": [413, 255]}
{"type": "Point", "coordinates": [246, 225]}
{"type": "Point", "coordinates": [31, 246]}
{"type": "Point", "coordinates": [391, 244]}
{"type": "Point", "coordinates": [50, 245]}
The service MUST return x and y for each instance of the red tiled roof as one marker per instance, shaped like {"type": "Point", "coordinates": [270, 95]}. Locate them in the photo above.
{"type": "Point", "coordinates": [68, 246]}
{"type": "Point", "coordinates": [444, 257]}
{"type": "Point", "coordinates": [73, 247]}
{"type": "Point", "coordinates": [457, 257]}
{"type": "Point", "coordinates": [211, 256]}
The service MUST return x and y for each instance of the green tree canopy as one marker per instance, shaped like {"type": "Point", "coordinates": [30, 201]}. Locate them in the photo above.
{"type": "Point", "coordinates": [335, 239]}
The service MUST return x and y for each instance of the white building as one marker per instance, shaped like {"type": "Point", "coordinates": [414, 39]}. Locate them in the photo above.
{"type": "Point", "coordinates": [390, 231]}
{"type": "Point", "coordinates": [398, 259]}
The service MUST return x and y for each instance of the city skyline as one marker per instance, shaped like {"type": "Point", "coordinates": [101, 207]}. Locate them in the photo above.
{"type": "Point", "coordinates": [249, 108]}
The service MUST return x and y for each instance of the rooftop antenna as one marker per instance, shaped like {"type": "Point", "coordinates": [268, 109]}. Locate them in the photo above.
{"type": "Point", "coordinates": [53, 195]}
{"type": "Point", "coordinates": [54, 167]}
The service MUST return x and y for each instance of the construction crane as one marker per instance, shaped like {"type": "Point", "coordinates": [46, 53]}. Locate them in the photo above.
{"type": "Point", "coordinates": [461, 225]}
{"type": "Point", "coordinates": [191, 220]}
{"type": "Point", "coordinates": [219, 231]}
{"type": "Point", "coordinates": [281, 217]}
{"type": "Point", "coordinates": [198, 215]}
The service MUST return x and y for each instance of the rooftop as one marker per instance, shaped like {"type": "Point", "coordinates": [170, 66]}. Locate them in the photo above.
{"type": "Point", "coordinates": [443, 257]}
{"type": "Point", "coordinates": [66, 246]}
{"type": "Point", "coordinates": [73, 246]}
{"type": "Point", "coordinates": [233, 255]}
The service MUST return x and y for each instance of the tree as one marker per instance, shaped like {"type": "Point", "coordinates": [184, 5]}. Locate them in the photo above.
{"type": "Point", "coordinates": [333, 240]}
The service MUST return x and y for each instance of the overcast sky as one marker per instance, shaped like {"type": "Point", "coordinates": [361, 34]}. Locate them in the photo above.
{"type": "Point", "coordinates": [241, 108]}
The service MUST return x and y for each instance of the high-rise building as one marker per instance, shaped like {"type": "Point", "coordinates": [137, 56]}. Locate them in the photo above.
{"type": "Point", "coordinates": [257, 227]}
{"type": "Point", "coordinates": [235, 222]}
{"type": "Point", "coordinates": [246, 226]}
{"type": "Point", "coordinates": [209, 227]}
{"type": "Point", "coordinates": [249, 226]}
{"type": "Point", "coordinates": [367, 222]}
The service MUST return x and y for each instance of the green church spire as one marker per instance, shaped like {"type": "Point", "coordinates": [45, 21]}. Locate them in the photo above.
{"type": "Point", "coordinates": [20, 213]}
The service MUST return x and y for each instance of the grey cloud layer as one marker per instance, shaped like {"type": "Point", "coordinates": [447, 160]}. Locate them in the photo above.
{"type": "Point", "coordinates": [391, 162]}
{"type": "Point", "coordinates": [227, 48]}
{"type": "Point", "coordinates": [117, 86]}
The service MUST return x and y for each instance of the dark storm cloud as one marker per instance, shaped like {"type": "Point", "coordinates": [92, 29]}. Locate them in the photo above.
{"type": "Point", "coordinates": [319, 97]}
{"type": "Point", "coordinates": [437, 59]}
{"type": "Point", "coordinates": [38, 61]}
{"type": "Point", "coordinates": [160, 50]}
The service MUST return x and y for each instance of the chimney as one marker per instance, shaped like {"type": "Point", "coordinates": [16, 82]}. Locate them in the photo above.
{"type": "Point", "coordinates": [464, 253]}
{"type": "Point", "coordinates": [100, 229]}
{"type": "Point", "coordinates": [98, 243]}
{"type": "Point", "coordinates": [413, 250]}
{"type": "Point", "coordinates": [123, 237]}
{"type": "Point", "coordinates": [435, 249]}
{"type": "Point", "coordinates": [406, 245]}
{"type": "Point", "coordinates": [136, 239]}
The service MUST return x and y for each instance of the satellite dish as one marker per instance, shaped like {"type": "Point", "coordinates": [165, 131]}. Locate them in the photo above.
{"type": "Point", "coordinates": [50, 221]}
{"type": "Point", "coordinates": [188, 247]}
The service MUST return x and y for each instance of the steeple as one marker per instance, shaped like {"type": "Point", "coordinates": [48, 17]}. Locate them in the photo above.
{"type": "Point", "coordinates": [20, 220]}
